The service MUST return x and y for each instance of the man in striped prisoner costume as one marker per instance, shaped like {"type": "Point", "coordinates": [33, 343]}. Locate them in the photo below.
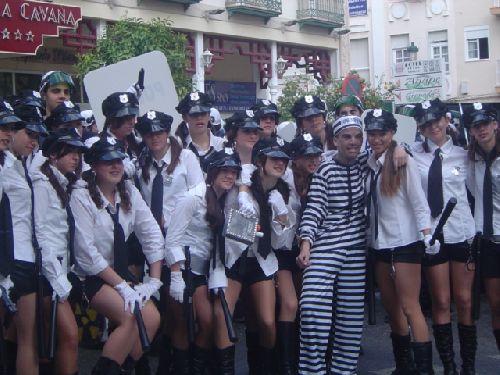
{"type": "Point", "coordinates": [332, 234]}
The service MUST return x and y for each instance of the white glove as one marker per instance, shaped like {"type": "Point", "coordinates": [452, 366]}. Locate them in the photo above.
{"type": "Point", "coordinates": [136, 90]}
{"type": "Point", "coordinates": [177, 286]}
{"type": "Point", "coordinates": [246, 204]}
{"type": "Point", "coordinates": [217, 279]}
{"type": "Point", "coordinates": [62, 287]}
{"type": "Point", "coordinates": [246, 174]}
{"type": "Point", "coordinates": [277, 203]}
{"type": "Point", "coordinates": [431, 249]}
{"type": "Point", "coordinates": [146, 290]}
{"type": "Point", "coordinates": [129, 295]}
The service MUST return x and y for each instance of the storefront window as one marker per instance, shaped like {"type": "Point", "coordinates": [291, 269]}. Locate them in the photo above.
{"type": "Point", "coordinates": [26, 81]}
{"type": "Point", "coordinates": [6, 86]}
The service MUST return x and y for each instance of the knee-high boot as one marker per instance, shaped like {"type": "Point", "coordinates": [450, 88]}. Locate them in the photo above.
{"type": "Point", "coordinates": [266, 361]}
{"type": "Point", "coordinates": [496, 332]}
{"type": "Point", "coordinates": [10, 357]}
{"type": "Point", "coordinates": [142, 366]}
{"type": "Point", "coordinates": [443, 337]}
{"type": "Point", "coordinates": [468, 348]}
{"type": "Point", "coordinates": [402, 355]}
{"type": "Point", "coordinates": [287, 343]}
{"type": "Point", "coordinates": [181, 361]}
{"type": "Point", "coordinates": [128, 366]}
{"type": "Point", "coordinates": [106, 366]}
{"type": "Point", "coordinates": [165, 356]}
{"type": "Point", "coordinates": [225, 360]}
{"type": "Point", "coordinates": [199, 360]}
{"type": "Point", "coordinates": [252, 341]}
{"type": "Point", "coordinates": [422, 352]}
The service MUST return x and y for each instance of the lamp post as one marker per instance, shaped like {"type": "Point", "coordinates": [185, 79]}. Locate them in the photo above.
{"type": "Point", "coordinates": [281, 66]}
{"type": "Point", "coordinates": [412, 51]}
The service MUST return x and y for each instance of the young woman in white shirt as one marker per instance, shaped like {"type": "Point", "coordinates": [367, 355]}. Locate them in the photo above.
{"type": "Point", "coordinates": [482, 121]}
{"type": "Point", "coordinates": [107, 210]}
{"type": "Point", "coordinates": [52, 185]}
{"type": "Point", "coordinates": [310, 115]}
{"type": "Point", "coordinates": [17, 186]}
{"type": "Point", "coordinates": [254, 266]}
{"type": "Point", "coordinates": [267, 115]}
{"type": "Point", "coordinates": [198, 230]}
{"type": "Point", "coordinates": [443, 171]}
{"type": "Point", "coordinates": [398, 211]}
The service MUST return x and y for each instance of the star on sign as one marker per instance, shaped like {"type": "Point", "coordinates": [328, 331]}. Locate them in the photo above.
{"type": "Point", "coordinates": [18, 35]}
{"type": "Point", "coordinates": [29, 36]}
{"type": "Point", "coordinates": [5, 34]}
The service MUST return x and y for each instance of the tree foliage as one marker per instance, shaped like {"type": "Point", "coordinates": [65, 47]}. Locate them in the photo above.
{"type": "Point", "coordinates": [131, 37]}
{"type": "Point", "coordinates": [373, 96]}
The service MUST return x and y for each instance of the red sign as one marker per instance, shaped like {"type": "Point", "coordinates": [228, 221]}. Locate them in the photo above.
{"type": "Point", "coordinates": [351, 85]}
{"type": "Point", "coordinates": [23, 24]}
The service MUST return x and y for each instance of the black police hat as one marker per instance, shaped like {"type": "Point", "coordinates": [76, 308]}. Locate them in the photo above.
{"type": "Point", "coordinates": [62, 114]}
{"type": "Point", "coordinates": [477, 113]}
{"type": "Point", "coordinates": [380, 119]}
{"type": "Point", "coordinates": [242, 120]}
{"type": "Point", "coordinates": [7, 115]}
{"type": "Point", "coordinates": [154, 121]}
{"type": "Point", "coordinates": [59, 138]}
{"type": "Point", "coordinates": [348, 100]}
{"type": "Point", "coordinates": [265, 108]}
{"type": "Point", "coordinates": [270, 147]}
{"type": "Point", "coordinates": [193, 103]}
{"type": "Point", "coordinates": [428, 111]}
{"type": "Point", "coordinates": [304, 145]}
{"type": "Point", "coordinates": [104, 150]}
{"type": "Point", "coordinates": [225, 158]}
{"type": "Point", "coordinates": [120, 104]}
{"type": "Point", "coordinates": [29, 111]}
{"type": "Point", "coordinates": [308, 105]}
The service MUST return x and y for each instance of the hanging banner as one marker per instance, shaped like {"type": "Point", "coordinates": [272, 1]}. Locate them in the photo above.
{"type": "Point", "coordinates": [358, 8]}
{"type": "Point", "coordinates": [24, 24]}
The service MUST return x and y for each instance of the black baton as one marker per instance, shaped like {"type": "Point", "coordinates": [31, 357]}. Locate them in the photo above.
{"type": "Point", "coordinates": [231, 332]}
{"type": "Point", "coordinates": [450, 205]}
{"type": "Point", "coordinates": [476, 289]}
{"type": "Point", "coordinates": [143, 333]}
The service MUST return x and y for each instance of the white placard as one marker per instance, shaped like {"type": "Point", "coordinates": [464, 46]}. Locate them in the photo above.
{"type": "Point", "coordinates": [159, 89]}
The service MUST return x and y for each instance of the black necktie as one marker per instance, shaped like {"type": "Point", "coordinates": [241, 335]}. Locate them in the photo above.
{"type": "Point", "coordinates": [34, 240]}
{"type": "Point", "coordinates": [435, 185]}
{"type": "Point", "coordinates": [6, 236]}
{"type": "Point", "coordinates": [488, 198]}
{"type": "Point", "coordinates": [119, 245]}
{"type": "Point", "coordinates": [71, 240]}
{"type": "Point", "coordinates": [157, 195]}
{"type": "Point", "coordinates": [201, 159]}
{"type": "Point", "coordinates": [373, 199]}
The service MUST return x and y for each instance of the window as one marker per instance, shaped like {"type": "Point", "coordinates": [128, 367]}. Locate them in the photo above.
{"type": "Point", "coordinates": [359, 57]}
{"type": "Point", "coordinates": [438, 44]}
{"type": "Point", "coordinates": [400, 55]}
{"type": "Point", "coordinates": [399, 46]}
{"type": "Point", "coordinates": [476, 43]}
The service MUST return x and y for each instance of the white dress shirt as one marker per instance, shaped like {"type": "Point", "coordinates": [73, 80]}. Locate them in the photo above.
{"type": "Point", "coordinates": [216, 142]}
{"type": "Point", "coordinates": [94, 230]}
{"type": "Point", "coordinates": [460, 224]}
{"type": "Point", "coordinates": [17, 189]}
{"type": "Point", "coordinates": [51, 226]}
{"type": "Point", "coordinates": [402, 216]}
{"type": "Point", "coordinates": [190, 228]}
{"type": "Point", "coordinates": [186, 176]}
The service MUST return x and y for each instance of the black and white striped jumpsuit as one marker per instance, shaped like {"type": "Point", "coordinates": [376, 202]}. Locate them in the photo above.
{"type": "Point", "coordinates": [332, 300]}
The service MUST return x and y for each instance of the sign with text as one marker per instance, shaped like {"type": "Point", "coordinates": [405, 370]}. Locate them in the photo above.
{"type": "Point", "coordinates": [358, 8]}
{"type": "Point", "coordinates": [231, 96]}
{"type": "Point", "coordinates": [418, 81]}
{"type": "Point", "coordinates": [24, 24]}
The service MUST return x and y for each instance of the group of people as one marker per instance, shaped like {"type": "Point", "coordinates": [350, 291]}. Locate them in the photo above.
{"type": "Point", "coordinates": [136, 214]}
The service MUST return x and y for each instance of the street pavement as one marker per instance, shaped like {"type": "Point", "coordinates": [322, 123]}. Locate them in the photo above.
{"type": "Point", "coordinates": [377, 358]}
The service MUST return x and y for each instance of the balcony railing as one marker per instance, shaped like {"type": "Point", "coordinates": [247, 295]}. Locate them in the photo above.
{"type": "Point", "coordinates": [259, 8]}
{"type": "Point", "coordinates": [321, 13]}
{"type": "Point", "coordinates": [495, 7]}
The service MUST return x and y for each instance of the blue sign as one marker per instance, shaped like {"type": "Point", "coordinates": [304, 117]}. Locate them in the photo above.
{"type": "Point", "coordinates": [358, 8]}
{"type": "Point", "coordinates": [231, 96]}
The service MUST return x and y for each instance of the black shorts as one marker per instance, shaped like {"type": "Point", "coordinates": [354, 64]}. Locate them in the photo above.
{"type": "Point", "coordinates": [92, 285]}
{"type": "Point", "coordinates": [456, 252]}
{"type": "Point", "coordinates": [490, 260]}
{"type": "Point", "coordinates": [287, 260]}
{"type": "Point", "coordinates": [24, 277]}
{"type": "Point", "coordinates": [412, 253]}
{"type": "Point", "coordinates": [246, 270]}
{"type": "Point", "coordinates": [198, 280]}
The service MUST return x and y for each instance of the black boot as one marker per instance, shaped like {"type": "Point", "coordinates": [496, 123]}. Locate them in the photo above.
{"type": "Point", "coordinates": [496, 332]}
{"type": "Point", "coordinates": [422, 352]}
{"type": "Point", "coordinates": [252, 341]}
{"type": "Point", "coordinates": [200, 359]}
{"type": "Point", "coordinates": [266, 361]}
{"type": "Point", "coordinates": [402, 355]}
{"type": "Point", "coordinates": [10, 357]}
{"type": "Point", "coordinates": [142, 366]}
{"type": "Point", "coordinates": [225, 360]}
{"type": "Point", "coordinates": [287, 343]}
{"type": "Point", "coordinates": [181, 361]}
{"type": "Point", "coordinates": [106, 366]}
{"type": "Point", "coordinates": [128, 366]}
{"type": "Point", "coordinates": [164, 356]}
{"type": "Point", "coordinates": [468, 347]}
{"type": "Point", "coordinates": [443, 337]}
{"type": "Point", "coordinates": [46, 368]}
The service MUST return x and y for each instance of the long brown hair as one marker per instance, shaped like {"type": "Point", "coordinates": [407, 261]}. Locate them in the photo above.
{"type": "Point", "coordinates": [475, 148]}
{"type": "Point", "coordinates": [133, 148]}
{"type": "Point", "coordinates": [147, 161]}
{"type": "Point", "coordinates": [89, 177]}
{"type": "Point", "coordinates": [391, 178]}
{"type": "Point", "coordinates": [182, 132]}
{"type": "Point", "coordinates": [215, 207]}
